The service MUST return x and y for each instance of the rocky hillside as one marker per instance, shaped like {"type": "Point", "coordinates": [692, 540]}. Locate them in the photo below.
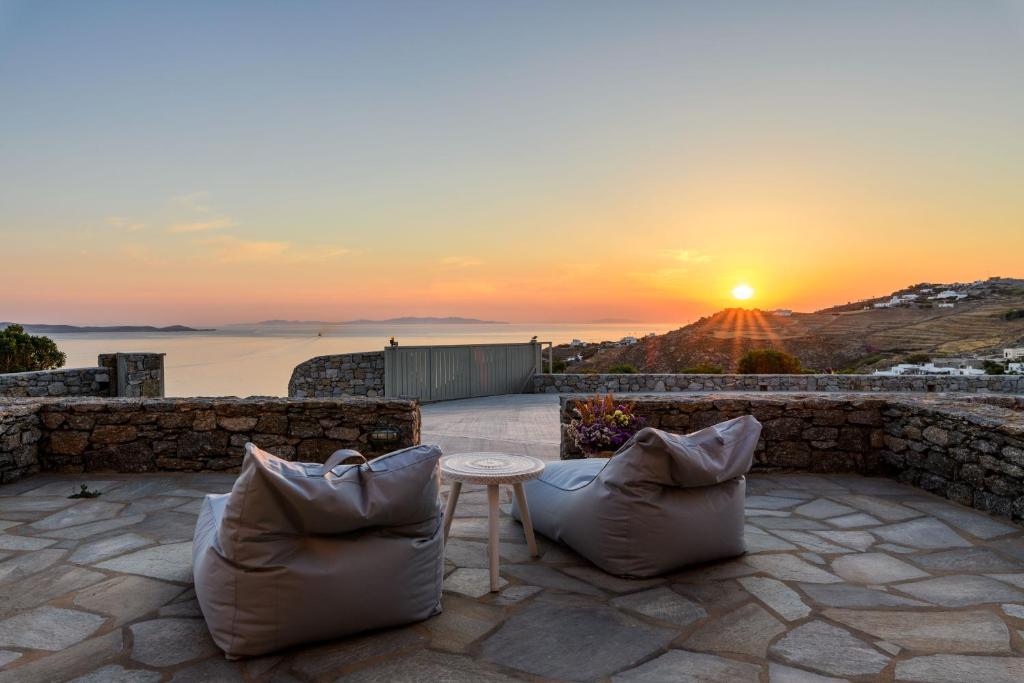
{"type": "Point", "coordinates": [986, 317]}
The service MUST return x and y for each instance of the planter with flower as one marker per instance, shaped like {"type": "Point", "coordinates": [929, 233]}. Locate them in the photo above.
{"type": "Point", "coordinates": [601, 425]}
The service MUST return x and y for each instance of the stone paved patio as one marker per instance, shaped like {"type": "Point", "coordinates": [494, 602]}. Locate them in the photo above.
{"type": "Point", "coordinates": [847, 578]}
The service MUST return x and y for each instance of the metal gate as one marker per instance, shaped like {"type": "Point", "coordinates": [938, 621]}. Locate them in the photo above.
{"type": "Point", "coordinates": [443, 373]}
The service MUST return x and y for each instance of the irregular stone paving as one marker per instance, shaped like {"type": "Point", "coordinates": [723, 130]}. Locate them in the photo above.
{"type": "Point", "coordinates": [846, 579]}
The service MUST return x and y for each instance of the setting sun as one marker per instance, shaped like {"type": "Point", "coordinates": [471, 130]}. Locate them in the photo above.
{"type": "Point", "coordinates": [742, 291]}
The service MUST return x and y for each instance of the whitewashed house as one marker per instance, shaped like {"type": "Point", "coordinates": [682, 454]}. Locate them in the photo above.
{"type": "Point", "coordinates": [1013, 354]}
{"type": "Point", "coordinates": [628, 340]}
{"type": "Point", "coordinates": [927, 369]}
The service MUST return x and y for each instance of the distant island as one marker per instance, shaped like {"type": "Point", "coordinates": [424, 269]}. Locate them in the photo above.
{"type": "Point", "coordinates": [407, 320]}
{"type": "Point", "coordinates": [60, 329]}
{"type": "Point", "coordinates": [612, 321]}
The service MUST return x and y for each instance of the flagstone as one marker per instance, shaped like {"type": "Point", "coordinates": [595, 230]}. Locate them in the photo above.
{"type": "Point", "coordinates": [321, 662]}
{"type": "Point", "coordinates": [811, 542]}
{"type": "Point", "coordinates": [425, 665]}
{"type": "Point", "coordinates": [874, 568]}
{"type": "Point", "coordinates": [858, 540]}
{"type": "Point", "coordinates": [976, 631]}
{"type": "Point", "coordinates": [845, 595]}
{"type": "Point", "coordinates": [171, 562]}
{"type": "Point", "coordinates": [829, 649]}
{"type": "Point", "coordinates": [814, 558]}
{"type": "Point", "coordinates": [770, 502]}
{"type": "Point", "coordinates": [778, 596]}
{"type": "Point", "coordinates": [1014, 579]}
{"type": "Point", "coordinates": [1015, 611]}
{"type": "Point", "coordinates": [947, 668]}
{"type": "Point", "coordinates": [759, 541]}
{"type": "Point", "coordinates": [471, 581]}
{"type": "Point", "coordinates": [858, 519]}
{"type": "Point", "coordinates": [797, 523]}
{"type": "Point", "coordinates": [966, 560]}
{"type": "Point", "coordinates": [747, 631]}
{"type": "Point", "coordinates": [82, 513]}
{"type": "Point", "coordinates": [823, 508]}
{"type": "Point", "coordinates": [46, 585]}
{"type": "Point", "coordinates": [877, 507]}
{"type": "Point", "coordinates": [95, 528]}
{"type": "Point", "coordinates": [189, 608]}
{"type": "Point", "coordinates": [68, 663]}
{"type": "Point", "coordinates": [9, 542]}
{"type": "Point", "coordinates": [512, 595]}
{"type": "Point", "coordinates": [461, 623]}
{"type": "Point", "coordinates": [608, 582]}
{"type": "Point", "coordinates": [974, 523]}
{"type": "Point", "coordinates": [790, 568]}
{"type": "Point", "coordinates": [8, 656]}
{"type": "Point", "coordinates": [961, 590]}
{"type": "Point", "coordinates": [48, 628]}
{"type": "Point", "coordinates": [680, 666]}
{"type": "Point", "coordinates": [113, 672]}
{"type": "Point", "coordinates": [153, 504]}
{"type": "Point", "coordinates": [779, 673]}
{"type": "Point", "coordinates": [547, 577]}
{"type": "Point", "coordinates": [213, 670]}
{"type": "Point", "coordinates": [166, 642]}
{"type": "Point", "coordinates": [167, 526]}
{"type": "Point", "coordinates": [11, 505]}
{"type": "Point", "coordinates": [67, 488]}
{"type": "Point", "coordinates": [104, 548]}
{"type": "Point", "coordinates": [924, 533]}
{"type": "Point", "coordinates": [25, 564]}
{"type": "Point", "coordinates": [663, 604]}
{"type": "Point", "coordinates": [721, 596]}
{"type": "Point", "coordinates": [126, 598]}
{"type": "Point", "coordinates": [540, 639]}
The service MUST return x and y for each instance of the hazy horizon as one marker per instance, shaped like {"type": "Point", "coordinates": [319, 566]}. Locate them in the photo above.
{"type": "Point", "coordinates": [205, 163]}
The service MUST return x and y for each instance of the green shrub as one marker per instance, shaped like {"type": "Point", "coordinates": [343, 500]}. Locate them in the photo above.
{"type": "Point", "coordinates": [993, 368]}
{"type": "Point", "coordinates": [768, 362]}
{"type": "Point", "coordinates": [23, 352]}
{"type": "Point", "coordinates": [703, 369]}
{"type": "Point", "coordinates": [559, 367]}
{"type": "Point", "coordinates": [622, 369]}
{"type": "Point", "coordinates": [917, 358]}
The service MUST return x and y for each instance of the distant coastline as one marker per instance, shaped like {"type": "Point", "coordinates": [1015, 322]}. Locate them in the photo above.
{"type": "Point", "coordinates": [67, 329]}
{"type": "Point", "coordinates": [406, 320]}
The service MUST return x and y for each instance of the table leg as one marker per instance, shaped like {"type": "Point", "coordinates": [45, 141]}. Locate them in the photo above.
{"type": "Point", "coordinates": [524, 512]}
{"type": "Point", "coordinates": [492, 533]}
{"type": "Point", "coordinates": [449, 511]}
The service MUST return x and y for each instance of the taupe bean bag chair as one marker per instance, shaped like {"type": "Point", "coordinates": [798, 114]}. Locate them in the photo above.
{"type": "Point", "coordinates": [661, 502]}
{"type": "Point", "coordinates": [300, 552]}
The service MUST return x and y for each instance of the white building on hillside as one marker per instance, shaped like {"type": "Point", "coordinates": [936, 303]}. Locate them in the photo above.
{"type": "Point", "coordinates": [1013, 354]}
{"type": "Point", "coordinates": [927, 369]}
{"type": "Point", "coordinates": [1015, 368]}
{"type": "Point", "coordinates": [950, 294]}
{"type": "Point", "coordinates": [576, 343]}
{"type": "Point", "coordinates": [782, 312]}
{"type": "Point", "coordinates": [628, 340]}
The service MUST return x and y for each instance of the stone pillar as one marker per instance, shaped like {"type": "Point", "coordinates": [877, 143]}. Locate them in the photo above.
{"type": "Point", "coordinates": [135, 375]}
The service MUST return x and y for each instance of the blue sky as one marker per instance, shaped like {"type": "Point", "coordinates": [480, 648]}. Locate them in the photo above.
{"type": "Point", "coordinates": [232, 160]}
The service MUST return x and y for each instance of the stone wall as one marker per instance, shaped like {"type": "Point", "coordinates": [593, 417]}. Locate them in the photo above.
{"type": "Point", "coordinates": [969, 449]}
{"type": "Point", "coordinates": [136, 375]}
{"type": "Point", "coordinates": [584, 383]}
{"type": "Point", "coordinates": [146, 435]}
{"type": "Point", "coordinates": [19, 437]}
{"type": "Point", "coordinates": [347, 374]}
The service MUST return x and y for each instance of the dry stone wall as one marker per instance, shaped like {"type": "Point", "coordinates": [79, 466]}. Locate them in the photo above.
{"type": "Point", "coordinates": [136, 375]}
{"type": "Point", "coordinates": [147, 435]}
{"type": "Point", "coordinates": [583, 383]}
{"type": "Point", "coordinates": [968, 448]}
{"type": "Point", "coordinates": [347, 374]}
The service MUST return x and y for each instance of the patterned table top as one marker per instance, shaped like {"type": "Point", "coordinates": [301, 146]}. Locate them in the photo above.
{"type": "Point", "coordinates": [491, 468]}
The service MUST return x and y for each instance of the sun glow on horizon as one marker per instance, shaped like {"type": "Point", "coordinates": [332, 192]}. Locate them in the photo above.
{"type": "Point", "coordinates": [742, 291]}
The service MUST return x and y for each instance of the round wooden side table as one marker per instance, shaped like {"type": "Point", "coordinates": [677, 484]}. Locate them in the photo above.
{"type": "Point", "coordinates": [491, 470]}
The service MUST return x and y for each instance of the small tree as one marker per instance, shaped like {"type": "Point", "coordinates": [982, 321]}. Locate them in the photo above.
{"type": "Point", "coordinates": [623, 369]}
{"type": "Point", "coordinates": [917, 359]}
{"type": "Point", "coordinates": [994, 368]}
{"type": "Point", "coordinates": [768, 362]}
{"type": "Point", "coordinates": [23, 352]}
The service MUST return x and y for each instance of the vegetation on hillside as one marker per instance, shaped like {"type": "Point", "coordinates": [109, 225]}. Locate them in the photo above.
{"type": "Point", "coordinates": [623, 369]}
{"type": "Point", "coordinates": [768, 362]}
{"type": "Point", "coordinates": [23, 352]}
{"type": "Point", "coordinates": [703, 369]}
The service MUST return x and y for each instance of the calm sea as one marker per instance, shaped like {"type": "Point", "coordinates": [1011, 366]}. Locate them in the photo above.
{"type": "Point", "coordinates": [258, 359]}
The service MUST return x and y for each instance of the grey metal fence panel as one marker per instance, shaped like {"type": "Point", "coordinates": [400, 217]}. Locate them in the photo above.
{"type": "Point", "coordinates": [443, 373]}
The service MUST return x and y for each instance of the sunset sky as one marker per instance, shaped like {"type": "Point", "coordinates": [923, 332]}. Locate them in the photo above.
{"type": "Point", "coordinates": [212, 162]}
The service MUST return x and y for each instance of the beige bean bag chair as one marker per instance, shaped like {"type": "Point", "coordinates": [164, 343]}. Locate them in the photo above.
{"type": "Point", "coordinates": [663, 501]}
{"type": "Point", "coordinates": [300, 552]}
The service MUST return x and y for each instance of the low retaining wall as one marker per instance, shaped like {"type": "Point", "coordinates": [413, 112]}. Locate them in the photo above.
{"type": "Point", "coordinates": [147, 435]}
{"type": "Point", "coordinates": [347, 374]}
{"type": "Point", "coordinates": [581, 383]}
{"type": "Point", "coordinates": [968, 449]}
{"type": "Point", "coordinates": [135, 375]}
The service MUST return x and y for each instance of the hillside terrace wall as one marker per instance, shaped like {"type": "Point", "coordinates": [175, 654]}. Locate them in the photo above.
{"type": "Point", "coordinates": [592, 383]}
{"type": "Point", "coordinates": [136, 375]}
{"type": "Point", "coordinates": [347, 374]}
{"type": "Point", "coordinates": [147, 435]}
{"type": "Point", "coordinates": [969, 449]}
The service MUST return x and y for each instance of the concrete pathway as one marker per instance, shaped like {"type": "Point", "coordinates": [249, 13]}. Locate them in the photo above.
{"type": "Point", "coordinates": [524, 424]}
